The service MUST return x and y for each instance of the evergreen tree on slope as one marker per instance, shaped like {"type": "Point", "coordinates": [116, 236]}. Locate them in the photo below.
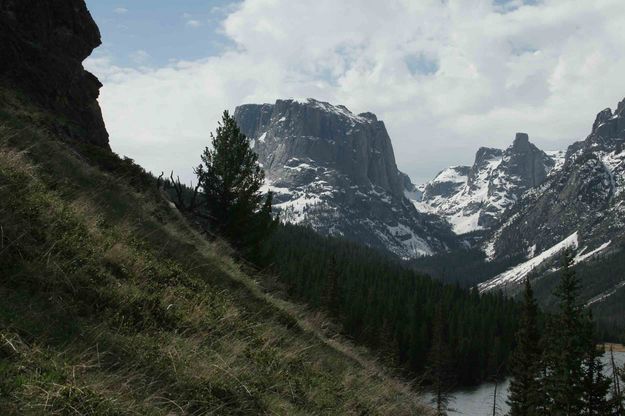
{"type": "Point", "coordinates": [564, 348]}
{"type": "Point", "coordinates": [525, 393]}
{"type": "Point", "coordinates": [230, 179]}
{"type": "Point", "coordinates": [439, 360]}
{"type": "Point", "coordinates": [596, 385]}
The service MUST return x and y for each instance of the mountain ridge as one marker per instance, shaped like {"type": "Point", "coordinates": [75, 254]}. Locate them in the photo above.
{"type": "Point", "coordinates": [473, 198]}
{"type": "Point", "coordinates": [585, 198]}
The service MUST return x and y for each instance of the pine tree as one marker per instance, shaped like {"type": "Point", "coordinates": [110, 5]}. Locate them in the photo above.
{"type": "Point", "coordinates": [564, 348]}
{"type": "Point", "coordinates": [619, 387]}
{"type": "Point", "coordinates": [524, 397]}
{"type": "Point", "coordinates": [331, 295]}
{"type": "Point", "coordinates": [439, 360]}
{"type": "Point", "coordinates": [595, 385]}
{"type": "Point", "coordinates": [230, 179]}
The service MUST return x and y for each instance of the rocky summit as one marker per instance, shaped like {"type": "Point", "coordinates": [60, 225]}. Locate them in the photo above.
{"type": "Point", "coordinates": [335, 171]}
{"type": "Point", "coordinates": [585, 197]}
{"type": "Point", "coordinates": [42, 46]}
{"type": "Point", "coordinates": [474, 197]}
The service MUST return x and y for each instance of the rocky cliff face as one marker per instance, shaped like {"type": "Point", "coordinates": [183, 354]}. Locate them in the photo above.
{"type": "Point", "coordinates": [42, 46]}
{"type": "Point", "coordinates": [335, 171]}
{"type": "Point", "coordinates": [579, 206]}
{"type": "Point", "coordinates": [474, 197]}
{"type": "Point", "coordinates": [586, 196]}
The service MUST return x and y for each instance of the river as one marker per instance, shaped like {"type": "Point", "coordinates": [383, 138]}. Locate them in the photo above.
{"type": "Point", "coordinates": [479, 401]}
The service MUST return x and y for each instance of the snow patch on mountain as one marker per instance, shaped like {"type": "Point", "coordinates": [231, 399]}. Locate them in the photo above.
{"type": "Point", "coordinates": [559, 157]}
{"type": "Point", "coordinates": [415, 245]}
{"type": "Point", "coordinates": [582, 255]}
{"type": "Point", "coordinates": [516, 274]}
{"type": "Point", "coordinates": [606, 294]}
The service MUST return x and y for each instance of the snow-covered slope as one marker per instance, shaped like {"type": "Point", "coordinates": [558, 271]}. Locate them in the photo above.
{"type": "Point", "coordinates": [474, 197]}
{"type": "Point", "coordinates": [517, 274]}
{"type": "Point", "coordinates": [547, 260]}
{"type": "Point", "coordinates": [335, 171]}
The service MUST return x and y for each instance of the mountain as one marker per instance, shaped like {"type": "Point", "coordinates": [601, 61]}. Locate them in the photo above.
{"type": "Point", "coordinates": [526, 206]}
{"type": "Point", "coordinates": [474, 197]}
{"type": "Point", "coordinates": [580, 205]}
{"type": "Point", "coordinates": [335, 171]}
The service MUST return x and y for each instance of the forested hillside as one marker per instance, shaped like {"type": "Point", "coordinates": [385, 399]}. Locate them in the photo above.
{"type": "Point", "coordinates": [600, 283]}
{"type": "Point", "coordinates": [389, 307]}
{"type": "Point", "coordinates": [600, 280]}
{"type": "Point", "coordinates": [466, 267]}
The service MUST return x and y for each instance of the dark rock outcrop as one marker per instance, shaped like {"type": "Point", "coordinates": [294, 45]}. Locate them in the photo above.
{"type": "Point", "coordinates": [525, 162]}
{"type": "Point", "coordinates": [329, 135]}
{"type": "Point", "coordinates": [335, 171]}
{"type": "Point", "coordinates": [42, 46]}
{"type": "Point", "coordinates": [585, 196]}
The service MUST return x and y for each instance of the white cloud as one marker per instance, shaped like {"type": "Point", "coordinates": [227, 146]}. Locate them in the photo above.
{"type": "Point", "coordinates": [120, 10]}
{"type": "Point", "coordinates": [446, 77]}
{"type": "Point", "coordinates": [140, 57]}
{"type": "Point", "coordinates": [194, 23]}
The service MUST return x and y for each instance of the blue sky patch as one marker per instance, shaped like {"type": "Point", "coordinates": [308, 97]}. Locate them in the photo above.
{"type": "Point", "coordinates": [156, 32]}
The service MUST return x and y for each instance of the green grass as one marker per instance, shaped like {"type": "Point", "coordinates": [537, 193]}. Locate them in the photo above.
{"type": "Point", "coordinates": [112, 304]}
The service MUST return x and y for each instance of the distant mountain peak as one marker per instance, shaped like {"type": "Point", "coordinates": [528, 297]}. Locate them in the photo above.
{"type": "Point", "coordinates": [521, 141]}
{"type": "Point", "coordinates": [369, 116]}
{"type": "Point", "coordinates": [486, 153]}
{"type": "Point", "coordinates": [474, 197]}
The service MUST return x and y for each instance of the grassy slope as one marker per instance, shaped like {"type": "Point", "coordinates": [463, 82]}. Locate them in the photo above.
{"type": "Point", "coordinates": [112, 304]}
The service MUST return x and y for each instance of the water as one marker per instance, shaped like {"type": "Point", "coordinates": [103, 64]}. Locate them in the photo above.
{"type": "Point", "coordinates": [479, 401]}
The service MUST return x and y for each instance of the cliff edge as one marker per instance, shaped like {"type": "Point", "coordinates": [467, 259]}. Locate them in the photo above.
{"type": "Point", "coordinates": [42, 46]}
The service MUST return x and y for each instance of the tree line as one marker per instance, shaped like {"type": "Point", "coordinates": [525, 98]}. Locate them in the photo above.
{"type": "Point", "coordinates": [394, 310]}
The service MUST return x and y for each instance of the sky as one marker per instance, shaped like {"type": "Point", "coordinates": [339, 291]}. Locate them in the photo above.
{"type": "Point", "coordinates": [446, 76]}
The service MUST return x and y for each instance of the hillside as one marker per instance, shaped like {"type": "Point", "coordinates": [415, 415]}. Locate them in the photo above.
{"type": "Point", "coordinates": [113, 305]}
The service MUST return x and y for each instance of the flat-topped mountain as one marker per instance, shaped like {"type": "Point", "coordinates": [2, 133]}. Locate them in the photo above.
{"type": "Point", "coordinates": [336, 172]}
